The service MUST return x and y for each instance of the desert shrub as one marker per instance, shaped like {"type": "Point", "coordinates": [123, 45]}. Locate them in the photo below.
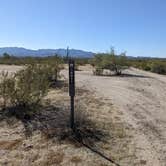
{"type": "Point", "coordinates": [7, 85]}
{"type": "Point", "coordinates": [146, 67]}
{"type": "Point", "coordinates": [13, 60]}
{"type": "Point", "coordinates": [109, 61]}
{"type": "Point", "coordinates": [142, 64]}
{"type": "Point", "coordinates": [158, 67]}
{"type": "Point", "coordinates": [116, 63]}
{"type": "Point", "coordinates": [52, 72]}
{"type": "Point", "coordinates": [155, 65]}
{"type": "Point", "coordinates": [24, 89]}
{"type": "Point", "coordinates": [31, 84]}
{"type": "Point", "coordinates": [82, 61]}
{"type": "Point", "coordinates": [52, 67]}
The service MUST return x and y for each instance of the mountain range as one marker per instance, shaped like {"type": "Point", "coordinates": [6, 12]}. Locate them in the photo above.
{"type": "Point", "coordinates": [21, 52]}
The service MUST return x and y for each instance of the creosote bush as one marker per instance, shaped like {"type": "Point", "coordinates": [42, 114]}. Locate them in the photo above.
{"type": "Point", "coordinates": [110, 61]}
{"type": "Point", "coordinates": [52, 72]}
{"type": "Point", "coordinates": [24, 88]}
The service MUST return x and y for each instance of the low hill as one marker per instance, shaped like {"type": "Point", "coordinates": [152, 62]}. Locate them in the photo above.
{"type": "Point", "coordinates": [19, 51]}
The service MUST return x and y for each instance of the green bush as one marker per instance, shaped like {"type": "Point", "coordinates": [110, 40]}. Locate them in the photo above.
{"type": "Point", "coordinates": [159, 68]}
{"type": "Point", "coordinates": [110, 61]}
{"type": "Point", "coordinates": [152, 64]}
{"type": "Point", "coordinates": [7, 86]}
{"type": "Point", "coordinates": [12, 60]}
{"type": "Point", "coordinates": [52, 72]}
{"type": "Point", "coordinates": [25, 88]}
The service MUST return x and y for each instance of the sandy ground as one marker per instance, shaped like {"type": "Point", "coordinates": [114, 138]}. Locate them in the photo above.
{"type": "Point", "coordinates": [136, 123]}
{"type": "Point", "coordinates": [20, 149]}
{"type": "Point", "coordinates": [141, 99]}
{"type": "Point", "coordinates": [36, 142]}
{"type": "Point", "coordinates": [10, 68]}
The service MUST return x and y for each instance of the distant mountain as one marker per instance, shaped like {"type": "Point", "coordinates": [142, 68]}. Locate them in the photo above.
{"type": "Point", "coordinates": [19, 51]}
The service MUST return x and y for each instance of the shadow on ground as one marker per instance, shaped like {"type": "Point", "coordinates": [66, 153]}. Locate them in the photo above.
{"type": "Point", "coordinates": [59, 84]}
{"type": "Point", "coordinates": [133, 75]}
{"type": "Point", "coordinates": [124, 75]}
{"type": "Point", "coordinates": [53, 122]}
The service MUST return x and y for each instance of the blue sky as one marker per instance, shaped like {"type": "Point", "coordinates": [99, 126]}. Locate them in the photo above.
{"type": "Point", "coordinates": [135, 26]}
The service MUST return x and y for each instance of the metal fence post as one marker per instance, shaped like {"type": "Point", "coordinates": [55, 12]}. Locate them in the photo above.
{"type": "Point", "coordinates": [71, 90]}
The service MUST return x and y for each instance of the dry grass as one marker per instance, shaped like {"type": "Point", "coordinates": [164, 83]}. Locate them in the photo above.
{"type": "Point", "coordinates": [55, 158]}
{"type": "Point", "coordinates": [48, 140]}
{"type": "Point", "coordinates": [76, 159]}
{"type": "Point", "coordinates": [10, 145]}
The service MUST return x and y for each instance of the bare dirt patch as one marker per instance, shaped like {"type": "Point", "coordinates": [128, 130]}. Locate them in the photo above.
{"type": "Point", "coordinates": [44, 140]}
{"type": "Point", "coordinates": [10, 68]}
{"type": "Point", "coordinates": [139, 97]}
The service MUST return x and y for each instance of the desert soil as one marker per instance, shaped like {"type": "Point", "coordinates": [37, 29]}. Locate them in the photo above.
{"type": "Point", "coordinates": [40, 141]}
{"type": "Point", "coordinates": [131, 108]}
{"type": "Point", "coordinates": [140, 97]}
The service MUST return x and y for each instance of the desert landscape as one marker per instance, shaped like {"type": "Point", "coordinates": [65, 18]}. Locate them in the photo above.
{"type": "Point", "coordinates": [83, 83]}
{"type": "Point", "coordinates": [140, 98]}
{"type": "Point", "coordinates": [129, 110]}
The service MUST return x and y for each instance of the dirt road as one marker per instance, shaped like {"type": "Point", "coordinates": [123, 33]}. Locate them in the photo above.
{"type": "Point", "coordinates": [141, 98]}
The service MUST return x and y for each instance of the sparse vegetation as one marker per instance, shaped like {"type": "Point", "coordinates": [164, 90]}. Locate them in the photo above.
{"type": "Point", "coordinates": [153, 64]}
{"type": "Point", "coordinates": [49, 132]}
{"type": "Point", "coordinates": [13, 60]}
{"type": "Point", "coordinates": [97, 126]}
{"type": "Point", "coordinates": [110, 61]}
{"type": "Point", "coordinates": [22, 91]}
